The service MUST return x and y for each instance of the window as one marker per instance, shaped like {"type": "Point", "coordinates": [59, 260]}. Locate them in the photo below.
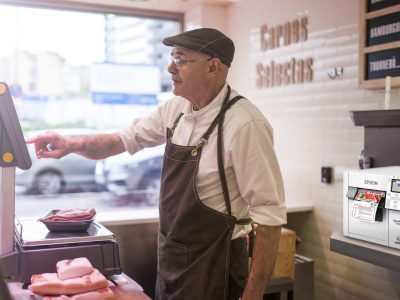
{"type": "Point", "coordinates": [84, 72]}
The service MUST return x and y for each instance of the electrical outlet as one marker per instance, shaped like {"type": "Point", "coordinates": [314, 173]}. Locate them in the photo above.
{"type": "Point", "coordinates": [326, 174]}
{"type": "Point", "coordinates": [335, 72]}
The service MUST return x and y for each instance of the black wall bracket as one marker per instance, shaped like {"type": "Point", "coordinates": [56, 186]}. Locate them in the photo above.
{"type": "Point", "coordinates": [381, 135]}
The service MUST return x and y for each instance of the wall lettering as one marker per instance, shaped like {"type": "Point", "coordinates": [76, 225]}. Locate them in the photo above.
{"type": "Point", "coordinates": [295, 71]}
{"type": "Point", "coordinates": [283, 34]}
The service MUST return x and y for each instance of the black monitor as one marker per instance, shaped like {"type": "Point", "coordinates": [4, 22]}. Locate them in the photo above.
{"type": "Point", "coordinates": [13, 153]}
{"type": "Point", "coordinates": [13, 150]}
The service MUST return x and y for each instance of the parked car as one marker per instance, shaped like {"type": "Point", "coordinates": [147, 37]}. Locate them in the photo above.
{"type": "Point", "coordinates": [138, 173]}
{"type": "Point", "coordinates": [52, 176]}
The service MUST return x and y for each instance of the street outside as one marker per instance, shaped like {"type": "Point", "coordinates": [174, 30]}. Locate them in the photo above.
{"type": "Point", "coordinates": [40, 205]}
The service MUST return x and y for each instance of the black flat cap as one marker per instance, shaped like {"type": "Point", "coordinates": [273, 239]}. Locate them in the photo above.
{"type": "Point", "coordinates": [205, 40]}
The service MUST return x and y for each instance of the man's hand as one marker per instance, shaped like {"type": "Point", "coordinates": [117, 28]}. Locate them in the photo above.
{"type": "Point", "coordinates": [50, 145]}
{"type": "Point", "coordinates": [265, 251]}
{"type": "Point", "coordinates": [94, 146]}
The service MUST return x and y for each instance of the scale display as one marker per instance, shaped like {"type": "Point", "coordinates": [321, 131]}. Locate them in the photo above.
{"type": "Point", "coordinates": [13, 150]}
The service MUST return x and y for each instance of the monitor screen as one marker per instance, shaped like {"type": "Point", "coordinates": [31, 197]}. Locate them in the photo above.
{"type": "Point", "coordinates": [396, 185]}
{"type": "Point", "coordinates": [13, 149]}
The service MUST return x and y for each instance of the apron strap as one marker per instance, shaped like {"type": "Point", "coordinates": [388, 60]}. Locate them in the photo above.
{"type": "Point", "coordinates": [251, 240]}
{"type": "Point", "coordinates": [171, 131]}
{"type": "Point", "coordinates": [221, 115]}
{"type": "Point", "coordinates": [220, 156]}
{"type": "Point", "coordinates": [219, 120]}
{"type": "Point", "coordinates": [222, 175]}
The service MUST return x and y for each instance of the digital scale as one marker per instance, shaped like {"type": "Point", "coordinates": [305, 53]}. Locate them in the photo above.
{"type": "Point", "coordinates": [39, 249]}
{"type": "Point", "coordinates": [28, 247]}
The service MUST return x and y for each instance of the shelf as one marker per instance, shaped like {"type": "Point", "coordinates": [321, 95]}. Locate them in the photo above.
{"type": "Point", "coordinates": [372, 253]}
{"type": "Point", "coordinates": [376, 118]}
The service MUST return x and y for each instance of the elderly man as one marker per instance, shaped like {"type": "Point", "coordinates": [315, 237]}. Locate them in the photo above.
{"type": "Point", "coordinates": [220, 173]}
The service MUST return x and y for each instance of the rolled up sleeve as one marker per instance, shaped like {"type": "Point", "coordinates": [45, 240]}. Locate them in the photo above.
{"type": "Point", "coordinates": [144, 132]}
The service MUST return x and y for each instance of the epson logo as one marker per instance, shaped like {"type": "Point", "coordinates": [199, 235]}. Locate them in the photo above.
{"type": "Point", "coordinates": [372, 182]}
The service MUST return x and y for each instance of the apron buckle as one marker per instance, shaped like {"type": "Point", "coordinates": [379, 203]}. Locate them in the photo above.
{"type": "Point", "coordinates": [195, 150]}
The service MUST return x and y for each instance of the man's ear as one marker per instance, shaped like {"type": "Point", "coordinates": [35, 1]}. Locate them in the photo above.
{"type": "Point", "coordinates": [215, 66]}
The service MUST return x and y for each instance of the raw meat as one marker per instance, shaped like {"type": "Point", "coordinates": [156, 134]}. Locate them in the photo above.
{"type": "Point", "coordinates": [50, 284]}
{"type": "Point", "coordinates": [72, 268]}
{"type": "Point", "coordinates": [71, 214]}
{"type": "Point", "coordinates": [102, 294]}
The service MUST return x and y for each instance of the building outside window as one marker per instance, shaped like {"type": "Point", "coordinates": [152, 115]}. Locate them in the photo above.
{"type": "Point", "coordinates": [79, 73]}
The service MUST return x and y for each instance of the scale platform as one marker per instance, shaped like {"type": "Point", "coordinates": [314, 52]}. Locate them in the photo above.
{"type": "Point", "coordinates": [33, 233]}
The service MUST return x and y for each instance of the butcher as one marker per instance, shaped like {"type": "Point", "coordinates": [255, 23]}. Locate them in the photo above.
{"type": "Point", "coordinates": [220, 175]}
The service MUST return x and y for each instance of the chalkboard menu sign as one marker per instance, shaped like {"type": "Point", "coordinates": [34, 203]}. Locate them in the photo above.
{"type": "Point", "coordinates": [379, 4]}
{"type": "Point", "coordinates": [384, 29]}
{"type": "Point", "coordinates": [379, 54]}
{"type": "Point", "coordinates": [383, 63]}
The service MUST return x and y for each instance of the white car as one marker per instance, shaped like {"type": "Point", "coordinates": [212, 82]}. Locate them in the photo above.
{"type": "Point", "coordinates": [52, 176]}
{"type": "Point", "coordinates": [138, 173]}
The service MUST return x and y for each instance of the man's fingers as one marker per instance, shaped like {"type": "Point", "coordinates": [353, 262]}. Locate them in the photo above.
{"type": "Point", "coordinates": [42, 153]}
{"type": "Point", "coordinates": [47, 137]}
{"type": "Point", "coordinates": [40, 147]}
{"type": "Point", "coordinates": [37, 139]}
{"type": "Point", "coordinates": [47, 145]}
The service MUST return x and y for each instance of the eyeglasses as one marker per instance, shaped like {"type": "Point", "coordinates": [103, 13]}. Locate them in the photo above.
{"type": "Point", "coordinates": [178, 62]}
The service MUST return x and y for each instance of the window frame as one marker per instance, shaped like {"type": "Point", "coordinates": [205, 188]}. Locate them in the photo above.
{"type": "Point", "coordinates": [125, 216]}
{"type": "Point", "coordinates": [98, 8]}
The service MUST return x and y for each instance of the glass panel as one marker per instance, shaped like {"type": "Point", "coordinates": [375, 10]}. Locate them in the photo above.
{"type": "Point", "coordinates": [78, 73]}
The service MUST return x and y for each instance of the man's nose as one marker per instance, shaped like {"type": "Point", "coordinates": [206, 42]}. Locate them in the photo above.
{"type": "Point", "coordinates": [172, 68]}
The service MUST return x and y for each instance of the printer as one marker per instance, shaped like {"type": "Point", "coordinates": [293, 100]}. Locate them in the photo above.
{"type": "Point", "coordinates": [371, 205]}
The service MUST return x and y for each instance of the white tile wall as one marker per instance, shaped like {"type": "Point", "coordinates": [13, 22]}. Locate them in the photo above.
{"type": "Point", "coordinates": [313, 128]}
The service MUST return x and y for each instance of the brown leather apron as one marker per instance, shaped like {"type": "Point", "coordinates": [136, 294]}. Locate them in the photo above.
{"type": "Point", "coordinates": [194, 244]}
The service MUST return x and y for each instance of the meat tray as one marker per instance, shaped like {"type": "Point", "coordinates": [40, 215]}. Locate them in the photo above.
{"type": "Point", "coordinates": [66, 225]}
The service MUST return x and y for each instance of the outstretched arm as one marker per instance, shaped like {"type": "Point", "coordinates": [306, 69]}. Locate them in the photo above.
{"type": "Point", "coordinates": [265, 251]}
{"type": "Point", "coordinates": [97, 146]}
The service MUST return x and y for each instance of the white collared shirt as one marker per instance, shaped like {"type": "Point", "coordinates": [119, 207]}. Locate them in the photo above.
{"type": "Point", "coordinates": [252, 171]}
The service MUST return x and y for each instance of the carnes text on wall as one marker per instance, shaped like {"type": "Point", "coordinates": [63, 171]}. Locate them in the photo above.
{"type": "Point", "coordinates": [294, 71]}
